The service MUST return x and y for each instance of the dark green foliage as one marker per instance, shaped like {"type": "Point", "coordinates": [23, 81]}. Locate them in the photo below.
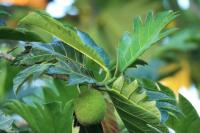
{"type": "Point", "coordinates": [57, 115]}
{"type": "Point", "coordinates": [19, 35]}
{"type": "Point", "coordinates": [137, 112]}
{"type": "Point", "coordinates": [91, 129]}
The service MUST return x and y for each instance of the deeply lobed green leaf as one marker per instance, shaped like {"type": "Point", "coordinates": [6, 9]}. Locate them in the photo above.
{"type": "Point", "coordinates": [139, 114]}
{"type": "Point", "coordinates": [133, 44]}
{"type": "Point", "coordinates": [64, 59]}
{"type": "Point", "coordinates": [72, 37]}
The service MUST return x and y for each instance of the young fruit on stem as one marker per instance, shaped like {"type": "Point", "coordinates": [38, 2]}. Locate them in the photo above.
{"type": "Point", "coordinates": [90, 107]}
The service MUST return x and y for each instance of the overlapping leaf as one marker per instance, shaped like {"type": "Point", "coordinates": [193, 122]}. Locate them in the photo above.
{"type": "Point", "coordinates": [48, 118]}
{"type": "Point", "coordinates": [65, 61]}
{"type": "Point", "coordinates": [22, 76]}
{"type": "Point", "coordinates": [187, 123]}
{"type": "Point", "coordinates": [132, 45]}
{"type": "Point", "coordinates": [77, 75]}
{"type": "Point", "coordinates": [164, 97]}
{"type": "Point", "coordinates": [72, 37]}
{"type": "Point", "coordinates": [139, 114]}
{"type": "Point", "coordinates": [58, 90]}
{"type": "Point", "coordinates": [19, 34]}
{"type": "Point", "coordinates": [36, 52]}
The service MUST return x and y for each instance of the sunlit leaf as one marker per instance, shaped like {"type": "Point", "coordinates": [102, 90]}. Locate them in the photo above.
{"type": "Point", "coordinates": [72, 37]}
{"type": "Point", "coordinates": [133, 44]}
{"type": "Point", "coordinates": [137, 112]}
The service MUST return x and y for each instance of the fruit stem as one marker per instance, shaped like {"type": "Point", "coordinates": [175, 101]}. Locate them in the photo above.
{"type": "Point", "coordinates": [78, 88]}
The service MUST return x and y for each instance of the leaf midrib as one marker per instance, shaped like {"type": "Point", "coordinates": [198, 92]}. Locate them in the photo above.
{"type": "Point", "coordinates": [134, 103]}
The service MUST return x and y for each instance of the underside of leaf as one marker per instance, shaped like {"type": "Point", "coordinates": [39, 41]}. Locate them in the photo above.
{"type": "Point", "coordinates": [70, 36]}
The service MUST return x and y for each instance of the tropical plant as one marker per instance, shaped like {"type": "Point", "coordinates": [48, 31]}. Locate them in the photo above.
{"type": "Point", "coordinates": [81, 87]}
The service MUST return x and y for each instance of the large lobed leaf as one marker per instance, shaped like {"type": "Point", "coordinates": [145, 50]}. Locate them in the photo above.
{"type": "Point", "coordinates": [65, 61]}
{"type": "Point", "coordinates": [132, 45]}
{"type": "Point", "coordinates": [70, 36]}
{"type": "Point", "coordinates": [53, 117]}
{"type": "Point", "coordinates": [35, 53]}
{"type": "Point", "coordinates": [139, 114]}
{"type": "Point", "coordinates": [77, 75]}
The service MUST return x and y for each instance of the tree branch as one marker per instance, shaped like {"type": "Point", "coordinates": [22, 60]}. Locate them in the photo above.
{"type": "Point", "coordinates": [12, 58]}
{"type": "Point", "coordinates": [59, 76]}
{"type": "Point", "coordinates": [7, 56]}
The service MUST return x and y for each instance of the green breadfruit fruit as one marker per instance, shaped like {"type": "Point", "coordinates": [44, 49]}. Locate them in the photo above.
{"type": "Point", "coordinates": [90, 107]}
